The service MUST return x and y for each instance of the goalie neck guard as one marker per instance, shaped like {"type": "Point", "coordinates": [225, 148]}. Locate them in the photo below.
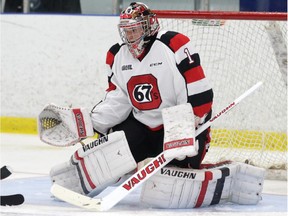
{"type": "Point", "coordinates": [137, 24]}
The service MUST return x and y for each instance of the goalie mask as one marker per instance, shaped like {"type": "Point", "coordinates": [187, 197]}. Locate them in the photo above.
{"type": "Point", "coordinates": [137, 24]}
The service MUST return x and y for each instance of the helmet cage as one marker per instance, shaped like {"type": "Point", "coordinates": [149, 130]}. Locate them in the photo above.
{"type": "Point", "coordinates": [133, 35]}
{"type": "Point", "coordinates": [139, 18]}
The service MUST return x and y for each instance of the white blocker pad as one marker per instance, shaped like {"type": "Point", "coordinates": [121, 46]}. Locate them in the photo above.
{"type": "Point", "coordinates": [173, 187]}
{"type": "Point", "coordinates": [179, 139]}
{"type": "Point", "coordinates": [96, 165]}
{"type": "Point", "coordinates": [62, 126]}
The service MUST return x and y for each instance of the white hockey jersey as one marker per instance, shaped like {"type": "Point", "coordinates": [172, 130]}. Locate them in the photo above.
{"type": "Point", "coordinates": [168, 75]}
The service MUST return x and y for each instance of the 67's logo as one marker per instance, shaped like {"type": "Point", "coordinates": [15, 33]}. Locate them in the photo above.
{"type": "Point", "coordinates": [143, 92]}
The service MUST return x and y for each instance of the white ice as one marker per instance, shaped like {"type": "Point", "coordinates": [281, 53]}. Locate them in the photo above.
{"type": "Point", "coordinates": [31, 161]}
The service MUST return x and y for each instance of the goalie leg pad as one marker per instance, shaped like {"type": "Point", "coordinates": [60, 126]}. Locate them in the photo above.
{"type": "Point", "coordinates": [174, 187]}
{"type": "Point", "coordinates": [96, 165]}
{"type": "Point", "coordinates": [248, 185]}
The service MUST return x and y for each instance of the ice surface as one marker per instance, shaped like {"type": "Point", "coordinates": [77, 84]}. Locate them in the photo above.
{"type": "Point", "coordinates": [31, 161]}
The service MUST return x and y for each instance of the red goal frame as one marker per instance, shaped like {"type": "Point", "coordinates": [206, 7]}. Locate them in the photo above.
{"type": "Point", "coordinates": [181, 14]}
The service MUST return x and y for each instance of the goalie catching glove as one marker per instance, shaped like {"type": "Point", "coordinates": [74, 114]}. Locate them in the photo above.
{"type": "Point", "coordinates": [61, 126]}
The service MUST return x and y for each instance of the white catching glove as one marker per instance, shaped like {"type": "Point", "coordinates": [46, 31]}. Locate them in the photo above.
{"type": "Point", "coordinates": [61, 126]}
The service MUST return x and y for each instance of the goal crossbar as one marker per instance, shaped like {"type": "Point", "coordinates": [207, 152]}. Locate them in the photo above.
{"type": "Point", "coordinates": [181, 14]}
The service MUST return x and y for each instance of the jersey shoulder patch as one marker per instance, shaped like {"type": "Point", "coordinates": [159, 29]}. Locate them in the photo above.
{"type": "Point", "coordinates": [174, 40]}
{"type": "Point", "coordinates": [111, 54]}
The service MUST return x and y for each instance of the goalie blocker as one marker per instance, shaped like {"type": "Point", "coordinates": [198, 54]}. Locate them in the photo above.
{"type": "Point", "coordinates": [173, 187]}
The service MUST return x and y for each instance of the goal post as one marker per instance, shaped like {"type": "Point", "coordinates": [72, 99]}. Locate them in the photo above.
{"type": "Point", "coordinates": [238, 49]}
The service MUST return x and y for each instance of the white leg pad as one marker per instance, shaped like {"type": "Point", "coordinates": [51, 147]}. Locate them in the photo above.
{"type": "Point", "coordinates": [173, 187]}
{"type": "Point", "coordinates": [247, 185]}
{"type": "Point", "coordinates": [96, 165]}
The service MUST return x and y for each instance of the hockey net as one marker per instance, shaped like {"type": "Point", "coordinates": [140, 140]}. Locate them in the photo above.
{"type": "Point", "coordinates": [238, 49]}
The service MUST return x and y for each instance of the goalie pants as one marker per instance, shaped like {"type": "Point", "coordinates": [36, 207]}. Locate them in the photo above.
{"type": "Point", "coordinates": [145, 143]}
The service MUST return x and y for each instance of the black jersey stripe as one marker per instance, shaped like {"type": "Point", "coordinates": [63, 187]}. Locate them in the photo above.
{"type": "Point", "coordinates": [115, 48]}
{"type": "Point", "coordinates": [201, 98]}
{"type": "Point", "coordinates": [174, 40]}
{"type": "Point", "coordinates": [166, 38]}
{"type": "Point", "coordinates": [184, 65]}
{"type": "Point", "coordinates": [111, 54]}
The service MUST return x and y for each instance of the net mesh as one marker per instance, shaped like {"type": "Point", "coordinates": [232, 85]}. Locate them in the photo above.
{"type": "Point", "coordinates": [236, 54]}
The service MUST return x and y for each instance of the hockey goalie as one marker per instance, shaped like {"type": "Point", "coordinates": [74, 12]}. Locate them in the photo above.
{"type": "Point", "coordinates": [152, 70]}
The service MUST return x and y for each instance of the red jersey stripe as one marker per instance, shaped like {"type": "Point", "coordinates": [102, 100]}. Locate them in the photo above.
{"type": "Point", "coordinates": [178, 41]}
{"type": "Point", "coordinates": [194, 74]}
{"type": "Point", "coordinates": [111, 87]}
{"type": "Point", "coordinates": [110, 58]}
{"type": "Point", "coordinates": [202, 110]}
{"type": "Point", "coordinates": [156, 128]}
